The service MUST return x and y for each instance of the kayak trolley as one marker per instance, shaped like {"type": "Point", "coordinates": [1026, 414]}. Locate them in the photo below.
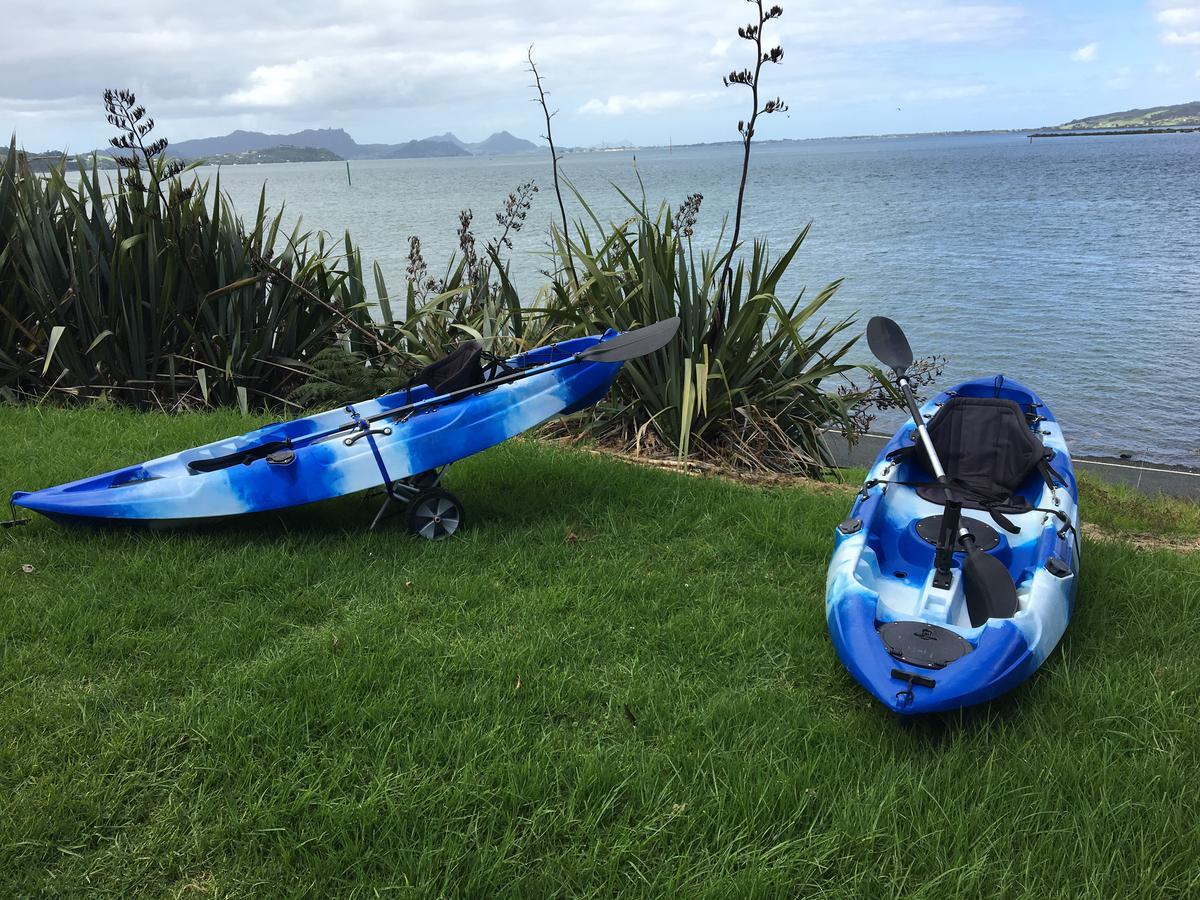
{"type": "Point", "coordinates": [430, 511]}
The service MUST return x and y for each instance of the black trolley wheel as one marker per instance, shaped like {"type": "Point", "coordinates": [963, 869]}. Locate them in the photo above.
{"type": "Point", "coordinates": [434, 514]}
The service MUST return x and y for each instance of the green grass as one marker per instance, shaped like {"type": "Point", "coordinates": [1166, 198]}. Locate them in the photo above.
{"type": "Point", "coordinates": [297, 707]}
{"type": "Point", "coordinates": [1120, 509]}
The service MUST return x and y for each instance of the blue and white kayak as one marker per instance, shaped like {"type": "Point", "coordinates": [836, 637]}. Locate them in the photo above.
{"type": "Point", "coordinates": [910, 643]}
{"type": "Point", "coordinates": [335, 453]}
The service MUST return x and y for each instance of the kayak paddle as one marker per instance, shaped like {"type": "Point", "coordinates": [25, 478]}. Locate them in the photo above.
{"type": "Point", "coordinates": [987, 585]}
{"type": "Point", "coordinates": [625, 346]}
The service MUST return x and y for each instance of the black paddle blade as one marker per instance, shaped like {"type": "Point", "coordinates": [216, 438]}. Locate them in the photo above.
{"type": "Point", "coordinates": [889, 344]}
{"type": "Point", "coordinates": [989, 588]}
{"type": "Point", "coordinates": [633, 344]}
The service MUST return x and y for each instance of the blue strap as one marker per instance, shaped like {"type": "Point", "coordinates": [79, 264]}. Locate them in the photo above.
{"type": "Point", "coordinates": [365, 426]}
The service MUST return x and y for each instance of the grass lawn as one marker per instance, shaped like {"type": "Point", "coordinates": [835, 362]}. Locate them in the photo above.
{"type": "Point", "coordinates": [615, 681]}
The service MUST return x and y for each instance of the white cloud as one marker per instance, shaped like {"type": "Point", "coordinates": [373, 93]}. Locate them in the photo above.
{"type": "Point", "coordinates": [374, 77]}
{"type": "Point", "coordinates": [1179, 16]}
{"type": "Point", "coordinates": [1086, 53]}
{"type": "Point", "coordinates": [1181, 23]}
{"type": "Point", "coordinates": [396, 65]}
{"type": "Point", "coordinates": [280, 85]}
{"type": "Point", "coordinates": [647, 101]}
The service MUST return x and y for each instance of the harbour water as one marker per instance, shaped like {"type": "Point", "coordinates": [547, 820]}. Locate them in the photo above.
{"type": "Point", "coordinates": [1072, 265]}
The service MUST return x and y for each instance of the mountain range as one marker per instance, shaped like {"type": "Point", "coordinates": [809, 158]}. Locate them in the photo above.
{"type": "Point", "coordinates": [336, 140]}
{"type": "Point", "coordinates": [1181, 115]}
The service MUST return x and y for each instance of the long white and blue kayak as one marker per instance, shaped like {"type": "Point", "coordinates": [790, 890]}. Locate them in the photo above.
{"type": "Point", "coordinates": [906, 635]}
{"type": "Point", "coordinates": [381, 442]}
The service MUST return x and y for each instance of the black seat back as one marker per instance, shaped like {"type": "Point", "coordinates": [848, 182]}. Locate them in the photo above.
{"type": "Point", "coordinates": [459, 369]}
{"type": "Point", "coordinates": [986, 444]}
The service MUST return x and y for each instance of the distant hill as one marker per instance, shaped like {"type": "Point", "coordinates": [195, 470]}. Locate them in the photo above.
{"type": "Point", "coordinates": [337, 141]}
{"type": "Point", "coordinates": [1178, 116]}
{"type": "Point", "coordinates": [422, 149]}
{"type": "Point", "coordinates": [451, 138]}
{"type": "Point", "coordinates": [281, 154]}
{"type": "Point", "coordinates": [503, 144]}
{"type": "Point", "coordinates": [333, 139]}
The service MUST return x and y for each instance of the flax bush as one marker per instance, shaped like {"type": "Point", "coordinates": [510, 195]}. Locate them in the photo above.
{"type": "Point", "coordinates": [760, 392]}
{"type": "Point", "coordinates": [146, 291]}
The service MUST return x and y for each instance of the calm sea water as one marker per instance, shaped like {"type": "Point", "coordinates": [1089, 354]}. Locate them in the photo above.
{"type": "Point", "coordinates": [1071, 264]}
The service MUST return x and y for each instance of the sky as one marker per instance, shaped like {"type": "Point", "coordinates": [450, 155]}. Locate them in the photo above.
{"type": "Point", "coordinates": [619, 71]}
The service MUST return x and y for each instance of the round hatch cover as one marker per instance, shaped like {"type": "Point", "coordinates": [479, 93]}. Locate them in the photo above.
{"type": "Point", "coordinates": [922, 644]}
{"type": "Point", "coordinates": [986, 537]}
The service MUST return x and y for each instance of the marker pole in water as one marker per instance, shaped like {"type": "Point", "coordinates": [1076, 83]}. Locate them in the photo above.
{"type": "Point", "coordinates": [348, 181]}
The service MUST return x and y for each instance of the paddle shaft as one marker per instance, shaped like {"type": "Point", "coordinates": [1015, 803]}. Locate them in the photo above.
{"type": "Point", "coordinates": [440, 399]}
{"type": "Point", "coordinates": [987, 584]}
{"type": "Point", "coordinates": [915, 411]}
{"type": "Point", "coordinates": [619, 349]}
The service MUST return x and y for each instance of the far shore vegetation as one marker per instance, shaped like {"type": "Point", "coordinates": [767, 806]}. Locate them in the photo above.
{"type": "Point", "coordinates": [1114, 131]}
{"type": "Point", "coordinates": [1180, 115]}
{"type": "Point", "coordinates": [281, 154]}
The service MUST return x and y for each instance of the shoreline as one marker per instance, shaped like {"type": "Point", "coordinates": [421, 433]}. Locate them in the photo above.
{"type": "Point", "coordinates": [1185, 129]}
{"type": "Point", "coordinates": [1144, 477]}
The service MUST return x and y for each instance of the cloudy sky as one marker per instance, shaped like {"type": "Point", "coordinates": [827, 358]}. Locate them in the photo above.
{"type": "Point", "coordinates": [646, 71]}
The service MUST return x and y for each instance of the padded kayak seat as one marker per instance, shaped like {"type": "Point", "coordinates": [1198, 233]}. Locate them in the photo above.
{"type": "Point", "coordinates": [987, 447]}
{"type": "Point", "coordinates": [461, 368]}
